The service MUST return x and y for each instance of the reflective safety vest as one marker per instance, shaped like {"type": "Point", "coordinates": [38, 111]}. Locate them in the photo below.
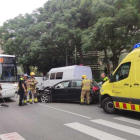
{"type": "Point", "coordinates": [21, 79]}
{"type": "Point", "coordinates": [32, 84]}
{"type": "Point", "coordinates": [86, 84]}
{"type": "Point", "coordinates": [105, 79]}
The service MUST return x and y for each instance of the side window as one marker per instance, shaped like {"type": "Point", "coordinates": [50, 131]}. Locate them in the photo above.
{"type": "Point", "coordinates": [62, 85]}
{"type": "Point", "coordinates": [52, 77]}
{"type": "Point", "coordinates": [76, 83]}
{"type": "Point", "coordinates": [122, 72]}
{"type": "Point", "coordinates": [59, 75]}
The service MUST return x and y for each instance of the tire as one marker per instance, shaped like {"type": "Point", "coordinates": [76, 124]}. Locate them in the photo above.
{"type": "Point", "coordinates": [45, 98]}
{"type": "Point", "coordinates": [108, 106]}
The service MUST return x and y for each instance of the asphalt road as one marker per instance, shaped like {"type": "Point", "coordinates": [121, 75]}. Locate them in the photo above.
{"type": "Point", "coordinates": [66, 121]}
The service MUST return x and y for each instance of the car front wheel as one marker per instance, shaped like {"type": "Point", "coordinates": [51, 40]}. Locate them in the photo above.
{"type": "Point", "coordinates": [45, 98]}
{"type": "Point", "coordinates": [108, 106]}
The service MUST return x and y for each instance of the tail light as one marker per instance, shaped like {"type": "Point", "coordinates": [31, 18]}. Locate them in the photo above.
{"type": "Point", "coordinates": [95, 89]}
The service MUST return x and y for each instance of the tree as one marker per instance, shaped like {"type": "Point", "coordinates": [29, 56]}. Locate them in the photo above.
{"type": "Point", "coordinates": [114, 29]}
{"type": "Point", "coordinates": [82, 24]}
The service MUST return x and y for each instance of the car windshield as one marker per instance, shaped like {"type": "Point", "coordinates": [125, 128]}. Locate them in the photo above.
{"type": "Point", "coordinates": [7, 72]}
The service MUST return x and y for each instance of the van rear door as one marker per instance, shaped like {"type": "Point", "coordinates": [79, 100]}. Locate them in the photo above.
{"type": "Point", "coordinates": [135, 100]}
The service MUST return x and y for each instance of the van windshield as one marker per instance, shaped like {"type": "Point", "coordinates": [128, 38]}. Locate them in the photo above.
{"type": "Point", "coordinates": [46, 77]}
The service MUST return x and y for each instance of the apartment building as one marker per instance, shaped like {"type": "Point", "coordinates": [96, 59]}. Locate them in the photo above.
{"type": "Point", "coordinates": [96, 60]}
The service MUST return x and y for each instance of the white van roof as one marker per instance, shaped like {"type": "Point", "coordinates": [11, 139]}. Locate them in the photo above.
{"type": "Point", "coordinates": [66, 68]}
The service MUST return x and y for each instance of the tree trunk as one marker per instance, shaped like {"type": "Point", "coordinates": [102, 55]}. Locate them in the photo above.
{"type": "Point", "coordinates": [44, 72]}
{"type": "Point", "coordinates": [107, 62]}
{"type": "Point", "coordinates": [80, 55]}
{"type": "Point", "coordinates": [26, 69]}
{"type": "Point", "coordinates": [115, 62]}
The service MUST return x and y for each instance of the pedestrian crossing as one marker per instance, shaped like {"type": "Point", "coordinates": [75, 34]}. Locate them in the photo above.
{"type": "Point", "coordinates": [101, 135]}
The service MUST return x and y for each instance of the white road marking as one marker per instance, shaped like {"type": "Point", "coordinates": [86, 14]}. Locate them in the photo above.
{"type": "Point", "coordinates": [11, 136]}
{"type": "Point", "coordinates": [93, 132]}
{"type": "Point", "coordinates": [128, 120]}
{"type": "Point", "coordinates": [117, 126]}
{"type": "Point", "coordinates": [66, 111]}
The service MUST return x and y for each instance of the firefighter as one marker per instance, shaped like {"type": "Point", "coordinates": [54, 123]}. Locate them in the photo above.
{"type": "Point", "coordinates": [86, 86]}
{"type": "Point", "coordinates": [33, 84]}
{"type": "Point", "coordinates": [22, 90]}
{"type": "Point", "coordinates": [104, 79]}
{"type": "Point", "coordinates": [29, 95]}
{"type": "Point", "coordinates": [27, 82]}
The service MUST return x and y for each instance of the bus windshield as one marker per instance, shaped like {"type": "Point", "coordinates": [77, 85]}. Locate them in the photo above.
{"type": "Point", "coordinates": [8, 71]}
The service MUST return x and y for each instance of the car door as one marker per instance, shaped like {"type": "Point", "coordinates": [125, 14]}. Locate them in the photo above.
{"type": "Point", "coordinates": [75, 89]}
{"type": "Point", "coordinates": [60, 91]}
{"type": "Point", "coordinates": [121, 87]}
{"type": "Point", "coordinates": [135, 94]}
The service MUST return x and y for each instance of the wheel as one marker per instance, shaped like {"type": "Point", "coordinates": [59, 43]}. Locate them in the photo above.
{"type": "Point", "coordinates": [45, 98]}
{"type": "Point", "coordinates": [108, 106]}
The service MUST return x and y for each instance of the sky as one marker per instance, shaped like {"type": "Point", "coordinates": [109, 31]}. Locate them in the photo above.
{"type": "Point", "coordinates": [9, 9]}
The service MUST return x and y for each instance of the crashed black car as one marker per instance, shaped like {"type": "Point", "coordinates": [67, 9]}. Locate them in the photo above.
{"type": "Point", "coordinates": [69, 90]}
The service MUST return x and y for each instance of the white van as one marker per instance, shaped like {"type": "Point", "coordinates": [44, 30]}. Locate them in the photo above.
{"type": "Point", "coordinates": [40, 82]}
{"type": "Point", "coordinates": [56, 75]}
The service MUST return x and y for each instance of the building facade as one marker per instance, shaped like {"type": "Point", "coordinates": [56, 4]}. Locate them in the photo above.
{"type": "Point", "coordinates": [96, 60]}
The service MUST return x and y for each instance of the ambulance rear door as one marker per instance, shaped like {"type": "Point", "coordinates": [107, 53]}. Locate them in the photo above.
{"type": "Point", "coordinates": [135, 82]}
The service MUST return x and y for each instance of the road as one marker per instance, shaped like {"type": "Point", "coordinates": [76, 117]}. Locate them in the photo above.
{"type": "Point", "coordinates": [66, 121]}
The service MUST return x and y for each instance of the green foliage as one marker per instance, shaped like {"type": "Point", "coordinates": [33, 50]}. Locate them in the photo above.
{"type": "Point", "coordinates": [116, 28]}
{"type": "Point", "coordinates": [81, 24]}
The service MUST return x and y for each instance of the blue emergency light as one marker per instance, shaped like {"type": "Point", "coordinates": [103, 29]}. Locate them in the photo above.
{"type": "Point", "coordinates": [136, 46]}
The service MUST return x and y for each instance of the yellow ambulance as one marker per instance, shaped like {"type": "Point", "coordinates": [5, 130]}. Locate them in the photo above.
{"type": "Point", "coordinates": [122, 90]}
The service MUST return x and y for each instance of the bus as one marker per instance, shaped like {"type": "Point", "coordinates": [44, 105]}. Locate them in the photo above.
{"type": "Point", "coordinates": [8, 76]}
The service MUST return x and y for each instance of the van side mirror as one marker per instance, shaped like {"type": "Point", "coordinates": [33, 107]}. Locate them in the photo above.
{"type": "Point", "coordinates": [111, 78]}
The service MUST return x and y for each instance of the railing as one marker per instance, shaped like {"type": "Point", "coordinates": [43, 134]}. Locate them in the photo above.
{"type": "Point", "coordinates": [94, 67]}
{"type": "Point", "coordinates": [89, 54]}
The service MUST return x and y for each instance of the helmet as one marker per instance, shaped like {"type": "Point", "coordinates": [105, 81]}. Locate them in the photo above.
{"type": "Point", "coordinates": [25, 74]}
{"type": "Point", "coordinates": [84, 76]}
{"type": "Point", "coordinates": [32, 73]}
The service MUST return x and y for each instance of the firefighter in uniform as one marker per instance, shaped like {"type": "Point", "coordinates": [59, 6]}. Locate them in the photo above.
{"type": "Point", "coordinates": [29, 96]}
{"type": "Point", "coordinates": [27, 81]}
{"type": "Point", "coordinates": [33, 83]}
{"type": "Point", "coordinates": [86, 86]}
{"type": "Point", "coordinates": [104, 79]}
{"type": "Point", "coordinates": [22, 90]}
